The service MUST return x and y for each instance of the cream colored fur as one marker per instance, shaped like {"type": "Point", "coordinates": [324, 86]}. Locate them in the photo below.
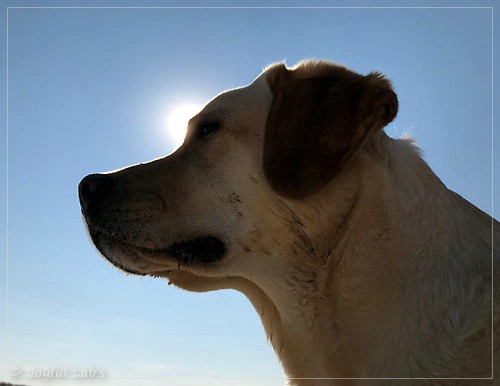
{"type": "Point", "coordinates": [382, 273]}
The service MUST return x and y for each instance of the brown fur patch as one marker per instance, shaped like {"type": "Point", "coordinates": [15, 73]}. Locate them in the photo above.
{"type": "Point", "coordinates": [320, 116]}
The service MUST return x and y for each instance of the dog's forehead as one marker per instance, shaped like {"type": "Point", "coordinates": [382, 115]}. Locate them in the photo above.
{"type": "Point", "coordinates": [256, 95]}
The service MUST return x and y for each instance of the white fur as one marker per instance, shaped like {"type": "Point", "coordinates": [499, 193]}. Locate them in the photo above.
{"type": "Point", "coordinates": [382, 273]}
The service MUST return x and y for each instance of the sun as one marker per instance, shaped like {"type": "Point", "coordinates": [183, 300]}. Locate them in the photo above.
{"type": "Point", "coordinates": [177, 119]}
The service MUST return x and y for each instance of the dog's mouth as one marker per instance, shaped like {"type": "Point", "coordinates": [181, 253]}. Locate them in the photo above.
{"type": "Point", "coordinates": [197, 251]}
{"type": "Point", "coordinates": [204, 249]}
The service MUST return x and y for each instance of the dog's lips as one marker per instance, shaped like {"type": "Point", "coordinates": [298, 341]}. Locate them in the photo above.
{"type": "Point", "coordinates": [158, 261]}
{"type": "Point", "coordinates": [204, 249]}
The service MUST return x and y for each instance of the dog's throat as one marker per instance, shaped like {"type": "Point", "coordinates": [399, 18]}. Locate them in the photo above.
{"type": "Point", "coordinates": [206, 249]}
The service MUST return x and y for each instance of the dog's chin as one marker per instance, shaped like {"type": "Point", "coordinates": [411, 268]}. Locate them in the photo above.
{"type": "Point", "coordinates": [139, 260]}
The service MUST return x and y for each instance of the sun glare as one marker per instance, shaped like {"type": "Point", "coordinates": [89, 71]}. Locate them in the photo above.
{"type": "Point", "coordinates": [177, 119]}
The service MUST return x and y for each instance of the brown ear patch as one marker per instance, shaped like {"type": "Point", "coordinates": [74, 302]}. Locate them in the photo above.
{"type": "Point", "coordinates": [317, 122]}
{"type": "Point", "coordinates": [379, 100]}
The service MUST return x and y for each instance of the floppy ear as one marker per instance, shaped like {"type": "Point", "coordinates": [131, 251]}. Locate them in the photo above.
{"type": "Point", "coordinates": [316, 124]}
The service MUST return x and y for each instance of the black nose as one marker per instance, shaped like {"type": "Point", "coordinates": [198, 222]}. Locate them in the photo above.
{"type": "Point", "coordinates": [93, 190]}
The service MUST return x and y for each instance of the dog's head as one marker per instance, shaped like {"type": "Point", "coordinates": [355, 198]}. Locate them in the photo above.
{"type": "Point", "coordinates": [228, 203]}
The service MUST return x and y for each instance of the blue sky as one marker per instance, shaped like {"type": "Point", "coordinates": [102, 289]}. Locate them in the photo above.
{"type": "Point", "coordinates": [90, 90]}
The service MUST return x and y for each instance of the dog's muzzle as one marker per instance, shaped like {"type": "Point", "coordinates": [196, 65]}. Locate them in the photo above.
{"type": "Point", "coordinates": [98, 193]}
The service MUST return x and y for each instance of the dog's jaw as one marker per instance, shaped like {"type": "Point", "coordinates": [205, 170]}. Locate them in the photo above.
{"type": "Point", "coordinates": [139, 260]}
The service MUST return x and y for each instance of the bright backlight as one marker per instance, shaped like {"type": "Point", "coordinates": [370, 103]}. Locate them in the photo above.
{"type": "Point", "coordinates": [177, 120]}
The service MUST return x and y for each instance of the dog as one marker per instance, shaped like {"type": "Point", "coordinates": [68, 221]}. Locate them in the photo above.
{"type": "Point", "coordinates": [360, 262]}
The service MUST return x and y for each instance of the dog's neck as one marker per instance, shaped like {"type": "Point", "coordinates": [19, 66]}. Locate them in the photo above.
{"type": "Point", "coordinates": [298, 308]}
{"type": "Point", "coordinates": [315, 321]}
{"type": "Point", "coordinates": [321, 285]}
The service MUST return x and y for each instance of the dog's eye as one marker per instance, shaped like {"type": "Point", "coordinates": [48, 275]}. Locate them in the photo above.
{"type": "Point", "coordinates": [206, 128]}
